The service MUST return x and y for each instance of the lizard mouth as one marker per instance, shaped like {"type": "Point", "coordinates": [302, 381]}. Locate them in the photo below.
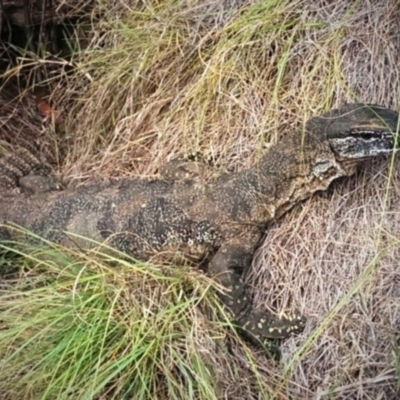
{"type": "Point", "coordinates": [362, 143]}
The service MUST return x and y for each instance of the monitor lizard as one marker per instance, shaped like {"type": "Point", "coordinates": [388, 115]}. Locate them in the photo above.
{"type": "Point", "coordinates": [219, 221]}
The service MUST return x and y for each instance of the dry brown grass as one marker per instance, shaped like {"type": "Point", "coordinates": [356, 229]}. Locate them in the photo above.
{"type": "Point", "coordinates": [326, 248]}
{"type": "Point", "coordinates": [222, 78]}
{"type": "Point", "coordinates": [17, 11]}
{"type": "Point", "coordinates": [19, 121]}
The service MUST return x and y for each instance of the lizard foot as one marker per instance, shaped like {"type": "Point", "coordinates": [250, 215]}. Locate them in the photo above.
{"type": "Point", "coordinates": [38, 183]}
{"type": "Point", "coordinates": [260, 327]}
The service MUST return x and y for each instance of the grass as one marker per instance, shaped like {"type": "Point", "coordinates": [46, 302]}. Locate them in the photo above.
{"type": "Point", "coordinates": [177, 82]}
{"type": "Point", "coordinates": [160, 79]}
{"type": "Point", "coordinates": [95, 325]}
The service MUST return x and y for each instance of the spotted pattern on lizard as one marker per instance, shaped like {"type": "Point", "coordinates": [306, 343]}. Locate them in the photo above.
{"type": "Point", "coordinates": [218, 221]}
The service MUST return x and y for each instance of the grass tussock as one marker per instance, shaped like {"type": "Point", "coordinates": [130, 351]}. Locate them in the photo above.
{"type": "Point", "coordinates": [97, 326]}
{"type": "Point", "coordinates": [160, 79]}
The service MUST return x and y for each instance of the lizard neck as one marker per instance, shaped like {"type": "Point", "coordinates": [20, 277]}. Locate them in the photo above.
{"type": "Point", "coordinates": [288, 173]}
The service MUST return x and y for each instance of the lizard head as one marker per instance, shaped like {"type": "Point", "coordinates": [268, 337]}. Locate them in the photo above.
{"type": "Point", "coordinates": [356, 132]}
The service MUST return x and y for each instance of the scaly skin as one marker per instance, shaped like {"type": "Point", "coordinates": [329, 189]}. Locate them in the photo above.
{"type": "Point", "coordinates": [219, 222]}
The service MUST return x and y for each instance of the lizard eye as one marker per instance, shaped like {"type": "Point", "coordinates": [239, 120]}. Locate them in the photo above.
{"type": "Point", "coordinates": [367, 136]}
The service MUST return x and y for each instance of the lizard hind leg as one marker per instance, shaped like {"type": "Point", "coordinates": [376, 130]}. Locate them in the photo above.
{"type": "Point", "coordinates": [228, 267]}
{"type": "Point", "coordinates": [23, 171]}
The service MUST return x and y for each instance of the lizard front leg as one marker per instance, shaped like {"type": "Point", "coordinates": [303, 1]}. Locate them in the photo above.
{"type": "Point", "coordinates": [183, 170]}
{"type": "Point", "coordinates": [191, 169]}
{"type": "Point", "coordinates": [229, 266]}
